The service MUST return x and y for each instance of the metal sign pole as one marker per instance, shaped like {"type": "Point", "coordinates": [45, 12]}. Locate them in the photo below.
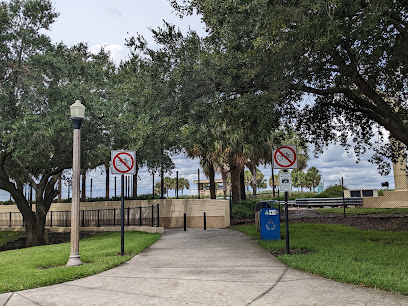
{"type": "Point", "coordinates": [123, 162]}
{"type": "Point", "coordinates": [122, 216]}
{"type": "Point", "coordinates": [287, 222]}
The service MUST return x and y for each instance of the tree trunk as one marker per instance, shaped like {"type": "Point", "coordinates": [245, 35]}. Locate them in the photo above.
{"type": "Point", "coordinates": [224, 172]}
{"type": "Point", "coordinates": [35, 229]}
{"type": "Point", "coordinates": [135, 181]}
{"type": "Point", "coordinates": [83, 187]}
{"type": "Point", "coordinates": [213, 194]}
{"type": "Point", "coordinates": [235, 184]}
{"type": "Point", "coordinates": [107, 182]}
{"type": "Point", "coordinates": [162, 184]}
{"type": "Point", "coordinates": [242, 183]}
{"type": "Point", "coordinates": [252, 168]}
{"type": "Point", "coordinates": [59, 189]}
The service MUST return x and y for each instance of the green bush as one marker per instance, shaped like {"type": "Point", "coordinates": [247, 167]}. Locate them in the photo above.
{"type": "Point", "coordinates": [7, 203]}
{"type": "Point", "coordinates": [245, 209]}
{"type": "Point", "coordinates": [335, 191]}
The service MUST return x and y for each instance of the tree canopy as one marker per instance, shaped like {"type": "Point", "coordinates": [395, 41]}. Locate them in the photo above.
{"type": "Point", "coordinates": [39, 83]}
{"type": "Point", "coordinates": [348, 58]}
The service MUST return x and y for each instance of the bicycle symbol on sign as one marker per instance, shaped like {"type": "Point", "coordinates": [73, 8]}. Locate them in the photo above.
{"type": "Point", "coordinates": [289, 156]}
{"type": "Point", "coordinates": [123, 162]}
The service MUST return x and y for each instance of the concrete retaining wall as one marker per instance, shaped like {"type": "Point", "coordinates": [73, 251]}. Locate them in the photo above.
{"type": "Point", "coordinates": [391, 199]}
{"type": "Point", "coordinates": [171, 211]}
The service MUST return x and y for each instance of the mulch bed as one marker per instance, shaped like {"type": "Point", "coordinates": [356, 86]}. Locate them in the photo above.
{"type": "Point", "coordinates": [393, 223]}
{"type": "Point", "coordinates": [378, 222]}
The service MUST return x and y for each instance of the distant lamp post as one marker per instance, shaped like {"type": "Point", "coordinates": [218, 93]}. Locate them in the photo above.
{"type": "Point", "coordinates": [77, 115]}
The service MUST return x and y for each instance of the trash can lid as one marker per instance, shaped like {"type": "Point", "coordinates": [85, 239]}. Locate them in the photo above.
{"type": "Point", "coordinates": [262, 204]}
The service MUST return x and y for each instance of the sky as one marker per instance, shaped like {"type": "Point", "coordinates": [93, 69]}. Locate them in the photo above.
{"type": "Point", "coordinates": [108, 23]}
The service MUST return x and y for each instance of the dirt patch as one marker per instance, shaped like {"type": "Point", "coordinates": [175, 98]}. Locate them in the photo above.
{"type": "Point", "coordinates": [298, 251]}
{"type": "Point", "coordinates": [378, 222]}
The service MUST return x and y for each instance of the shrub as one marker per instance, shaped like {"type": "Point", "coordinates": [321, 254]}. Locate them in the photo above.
{"type": "Point", "coordinates": [335, 191]}
{"type": "Point", "coordinates": [244, 209]}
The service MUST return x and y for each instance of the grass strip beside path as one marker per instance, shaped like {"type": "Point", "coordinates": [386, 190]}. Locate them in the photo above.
{"type": "Point", "coordinates": [374, 259]}
{"type": "Point", "coordinates": [45, 265]}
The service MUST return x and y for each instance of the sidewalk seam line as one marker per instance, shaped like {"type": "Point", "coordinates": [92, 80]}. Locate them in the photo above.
{"type": "Point", "coordinates": [8, 299]}
{"type": "Point", "coordinates": [267, 291]}
{"type": "Point", "coordinates": [26, 298]}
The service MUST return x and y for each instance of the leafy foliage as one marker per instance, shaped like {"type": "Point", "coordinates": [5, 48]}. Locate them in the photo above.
{"type": "Point", "coordinates": [335, 191]}
{"type": "Point", "coordinates": [39, 83]}
{"type": "Point", "coordinates": [338, 67]}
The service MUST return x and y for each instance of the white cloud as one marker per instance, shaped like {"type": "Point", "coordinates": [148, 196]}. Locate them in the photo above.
{"type": "Point", "coordinates": [114, 12]}
{"type": "Point", "coordinates": [117, 52]}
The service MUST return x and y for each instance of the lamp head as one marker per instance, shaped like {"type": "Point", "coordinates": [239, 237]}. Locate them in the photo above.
{"type": "Point", "coordinates": [77, 110]}
{"type": "Point", "coordinates": [77, 113]}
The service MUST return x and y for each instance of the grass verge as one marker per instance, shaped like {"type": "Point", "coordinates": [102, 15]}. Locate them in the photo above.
{"type": "Point", "coordinates": [45, 265]}
{"type": "Point", "coordinates": [374, 259]}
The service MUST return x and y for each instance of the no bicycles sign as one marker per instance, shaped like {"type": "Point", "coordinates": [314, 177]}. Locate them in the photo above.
{"type": "Point", "coordinates": [285, 157]}
{"type": "Point", "coordinates": [123, 162]}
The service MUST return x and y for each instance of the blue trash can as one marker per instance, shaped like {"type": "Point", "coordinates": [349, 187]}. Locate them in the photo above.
{"type": "Point", "coordinates": [270, 224]}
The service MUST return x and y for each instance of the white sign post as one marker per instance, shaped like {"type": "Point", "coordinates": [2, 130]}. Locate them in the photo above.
{"type": "Point", "coordinates": [285, 157]}
{"type": "Point", "coordinates": [123, 162]}
{"type": "Point", "coordinates": [285, 181]}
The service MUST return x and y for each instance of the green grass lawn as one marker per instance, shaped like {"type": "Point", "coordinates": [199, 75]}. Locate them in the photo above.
{"type": "Point", "coordinates": [45, 265]}
{"type": "Point", "coordinates": [363, 211]}
{"type": "Point", "coordinates": [375, 259]}
{"type": "Point", "coordinates": [10, 236]}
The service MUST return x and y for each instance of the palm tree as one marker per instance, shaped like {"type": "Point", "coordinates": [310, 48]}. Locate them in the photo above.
{"type": "Point", "coordinates": [274, 183]}
{"type": "Point", "coordinates": [168, 184]}
{"type": "Point", "coordinates": [313, 178]}
{"type": "Point", "coordinates": [298, 178]}
{"type": "Point", "coordinates": [224, 170]}
{"type": "Point", "coordinates": [260, 182]}
{"type": "Point", "coordinates": [183, 184]}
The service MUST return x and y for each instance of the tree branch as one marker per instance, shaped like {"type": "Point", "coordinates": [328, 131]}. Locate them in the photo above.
{"type": "Point", "coordinates": [321, 92]}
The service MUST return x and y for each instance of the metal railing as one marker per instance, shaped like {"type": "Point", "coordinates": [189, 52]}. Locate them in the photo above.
{"type": "Point", "coordinates": [333, 202]}
{"type": "Point", "coordinates": [134, 216]}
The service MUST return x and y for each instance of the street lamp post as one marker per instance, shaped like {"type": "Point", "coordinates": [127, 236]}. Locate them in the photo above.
{"type": "Point", "coordinates": [77, 115]}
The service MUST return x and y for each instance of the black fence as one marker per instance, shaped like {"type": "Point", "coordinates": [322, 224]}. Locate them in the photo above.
{"type": "Point", "coordinates": [134, 216]}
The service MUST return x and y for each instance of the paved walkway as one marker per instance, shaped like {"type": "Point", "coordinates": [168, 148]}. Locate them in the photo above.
{"type": "Point", "coordinates": [197, 267]}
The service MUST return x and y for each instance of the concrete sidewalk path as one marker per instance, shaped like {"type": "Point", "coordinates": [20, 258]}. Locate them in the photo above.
{"type": "Point", "coordinates": [197, 267]}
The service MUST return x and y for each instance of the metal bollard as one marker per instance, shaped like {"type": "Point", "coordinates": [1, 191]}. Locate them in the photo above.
{"type": "Point", "coordinates": [128, 215]}
{"type": "Point", "coordinates": [205, 222]}
{"type": "Point", "coordinates": [158, 215]}
{"type": "Point", "coordinates": [99, 222]}
{"type": "Point", "coordinates": [185, 221]}
{"type": "Point", "coordinates": [152, 216]}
